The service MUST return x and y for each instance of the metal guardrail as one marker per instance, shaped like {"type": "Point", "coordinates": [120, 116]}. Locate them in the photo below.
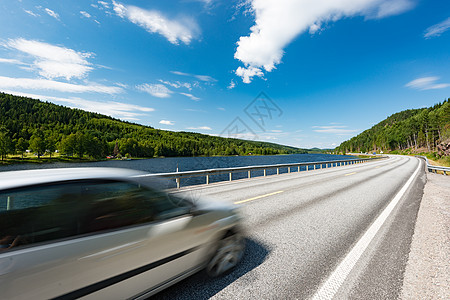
{"type": "Point", "coordinates": [434, 169]}
{"type": "Point", "coordinates": [249, 169]}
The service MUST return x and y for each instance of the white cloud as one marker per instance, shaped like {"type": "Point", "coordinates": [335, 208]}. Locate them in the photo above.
{"type": "Point", "coordinates": [205, 78]}
{"type": "Point", "coordinates": [177, 84]}
{"type": "Point", "coordinates": [156, 90]}
{"type": "Point", "coordinates": [111, 108]}
{"type": "Point", "coordinates": [11, 61]}
{"type": "Point", "coordinates": [231, 85]}
{"type": "Point", "coordinates": [334, 129]}
{"type": "Point", "coordinates": [199, 128]}
{"type": "Point", "coordinates": [104, 4]}
{"type": "Point", "coordinates": [426, 83]}
{"type": "Point", "coordinates": [31, 13]}
{"type": "Point", "coordinates": [52, 14]}
{"type": "Point", "coordinates": [53, 61]}
{"type": "Point", "coordinates": [277, 23]}
{"type": "Point", "coordinates": [181, 29]}
{"type": "Point", "coordinates": [166, 122]}
{"type": "Point", "coordinates": [195, 110]}
{"type": "Point", "coordinates": [180, 73]}
{"type": "Point", "coordinates": [248, 73]}
{"type": "Point", "coordinates": [385, 8]}
{"type": "Point", "coordinates": [438, 29]}
{"type": "Point", "coordinates": [207, 3]}
{"type": "Point", "coordinates": [45, 84]}
{"type": "Point", "coordinates": [190, 96]}
{"type": "Point", "coordinates": [85, 14]}
{"type": "Point", "coordinates": [221, 108]}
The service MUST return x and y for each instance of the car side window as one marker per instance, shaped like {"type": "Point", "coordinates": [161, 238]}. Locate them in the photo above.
{"type": "Point", "coordinates": [52, 212]}
{"type": "Point", "coordinates": [118, 204]}
{"type": "Point", "coordinates": [113, 205]}
{"type": "Point", "coordinates": [38, 214]}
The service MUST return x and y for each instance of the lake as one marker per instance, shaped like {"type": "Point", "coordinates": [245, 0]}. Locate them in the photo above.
{"type": "Point", "coordinates": [170, 164]}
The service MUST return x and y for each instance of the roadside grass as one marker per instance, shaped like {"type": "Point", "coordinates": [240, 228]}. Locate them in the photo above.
{"type": "Point", "coordinates": [433, 157]}
{"type": "Point", "coordinates": [30, 158]}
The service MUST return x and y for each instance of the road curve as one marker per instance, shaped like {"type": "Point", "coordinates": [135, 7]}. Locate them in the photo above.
{"type": "Point", "coordinates": [301, 226]}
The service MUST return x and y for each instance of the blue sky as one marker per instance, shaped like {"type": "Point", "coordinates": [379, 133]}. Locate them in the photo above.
{"type": "Point", "coordinates": [300, 73]}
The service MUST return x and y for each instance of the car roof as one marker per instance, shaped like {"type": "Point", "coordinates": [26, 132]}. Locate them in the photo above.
{"type": "Point", "coordinates": [15, 179]}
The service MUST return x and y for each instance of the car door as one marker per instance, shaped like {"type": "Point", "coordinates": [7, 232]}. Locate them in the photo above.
{"type": "Point", "coordinates": [93, 239]}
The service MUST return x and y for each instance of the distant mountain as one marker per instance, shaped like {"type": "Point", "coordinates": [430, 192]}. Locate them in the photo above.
{"type": "Point", "coordinates": [420, 130]}
{"type": "Point", "coordinates": [40, 126]}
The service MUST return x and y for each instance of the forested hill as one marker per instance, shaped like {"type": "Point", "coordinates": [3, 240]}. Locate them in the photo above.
{"type": "Point", "coordinates": [41, 126]}
{"type": "Point", "coordinates": [420, 130]}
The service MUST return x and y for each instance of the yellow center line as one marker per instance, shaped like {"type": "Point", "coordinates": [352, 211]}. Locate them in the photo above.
{"type": "Point", "coordinates": [350, 174]}
{"type": "Point", "coordinates": [258, 197]}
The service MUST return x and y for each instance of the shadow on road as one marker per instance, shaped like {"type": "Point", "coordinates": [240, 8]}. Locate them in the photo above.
{"type": "Point", "coordinates": [200, 286]}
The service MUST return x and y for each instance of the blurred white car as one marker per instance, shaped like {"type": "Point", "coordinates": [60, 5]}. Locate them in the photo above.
{"type": "Point", "coordinates": [103, 233]}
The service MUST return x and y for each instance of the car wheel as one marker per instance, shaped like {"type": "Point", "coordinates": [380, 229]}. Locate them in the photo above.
{"type": "Point", "coordinates": [229, 252]}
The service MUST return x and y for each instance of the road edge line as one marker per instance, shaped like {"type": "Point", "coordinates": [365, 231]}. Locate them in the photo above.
{"type": "Point", "coordinates": [338, 276]}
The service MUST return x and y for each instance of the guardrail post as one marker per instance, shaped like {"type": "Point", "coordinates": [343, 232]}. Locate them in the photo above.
{"type": "Point", "coordinates": [307, 167]}
{"type": "Point", "coordinates": [298, 168]}
{"type": "Point", "coordinates": [178, 182]}
{"type": "Point", "coordinates": [289, 169]}
{"type": "Point", "coordinates": [231, 177]}
{"type": "Point", "coordinates": [249, 176]}
{"type": "Point", "coordinates": [265, 172]}
{"type": "Point", "coordinates": [278, 171]}
{"type": "Point", "coordinates": [207, 179]}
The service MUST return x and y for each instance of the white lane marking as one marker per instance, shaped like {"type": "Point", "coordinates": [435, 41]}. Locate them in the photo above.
{"type": "Point", "coordinates": [337, 278]}
{"type": "Point", "coordinates": [257, 197]}
{"type": "Point", "coordinates": [350, 174]}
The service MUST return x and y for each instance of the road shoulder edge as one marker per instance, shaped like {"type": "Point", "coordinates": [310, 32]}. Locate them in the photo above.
{"type": "Point", "coordinates": [428, 268]}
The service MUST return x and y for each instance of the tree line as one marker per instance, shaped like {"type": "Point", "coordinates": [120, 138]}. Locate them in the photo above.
{"type": "Point", "coordinates": [43, 127]}
{"type": "Point", "coordinates": [423, 128]}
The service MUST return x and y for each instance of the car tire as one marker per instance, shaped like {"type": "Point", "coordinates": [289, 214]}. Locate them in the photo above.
{"type": "Point", "coordinates": [229, 252]}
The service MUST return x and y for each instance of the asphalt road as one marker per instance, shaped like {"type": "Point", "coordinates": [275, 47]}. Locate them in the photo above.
{"type": "Point", "coordinates": [301, 227]}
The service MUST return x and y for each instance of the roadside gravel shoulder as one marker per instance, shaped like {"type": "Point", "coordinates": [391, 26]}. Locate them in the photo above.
{"type": "Point", "coordinates": [427, 274]}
